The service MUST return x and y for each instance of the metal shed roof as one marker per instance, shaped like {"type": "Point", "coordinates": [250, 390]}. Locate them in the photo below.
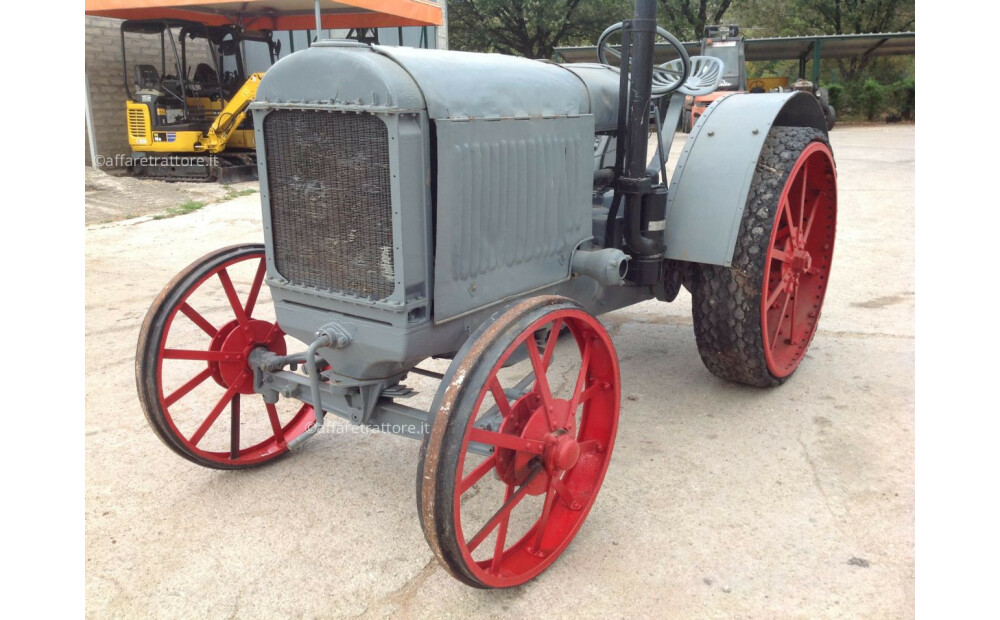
{"type": "Point", "coordinates": [783, 48]}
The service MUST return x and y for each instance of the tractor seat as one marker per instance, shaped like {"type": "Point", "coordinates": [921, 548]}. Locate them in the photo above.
{"type": "Point", "coordinates": [704, 78]}
{"type": "Point", "coordinates": [146, 77]}
{"type": "Point", "coordinates": [205, 75]}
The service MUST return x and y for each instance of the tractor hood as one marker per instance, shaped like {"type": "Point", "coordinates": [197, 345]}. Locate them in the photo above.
{"type": "Point", "coordinates": [447, 84]}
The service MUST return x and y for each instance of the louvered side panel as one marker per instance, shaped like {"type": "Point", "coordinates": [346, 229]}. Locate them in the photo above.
{"type": "Point", "coordinates": [513, 200]}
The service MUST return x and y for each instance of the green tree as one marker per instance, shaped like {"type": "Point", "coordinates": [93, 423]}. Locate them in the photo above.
{"type": "Point", "coordinates": [531, 28]}
{"type": "Point", "coordinates": [872, 98]}
{"type": "Point", "coordinates": [857, 16]}
{"type": "Point", "coordinates": [686, 20]}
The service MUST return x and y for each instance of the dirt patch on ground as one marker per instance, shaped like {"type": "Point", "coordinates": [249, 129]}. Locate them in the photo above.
{"type": "Point", "coordinates": [112, 197]}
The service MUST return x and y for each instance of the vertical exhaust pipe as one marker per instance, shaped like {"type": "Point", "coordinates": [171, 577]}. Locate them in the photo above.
{"type": "Point", "coordinates": [636, 183]}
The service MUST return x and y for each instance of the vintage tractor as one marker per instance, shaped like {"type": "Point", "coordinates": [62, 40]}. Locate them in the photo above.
{"type": "Point", "coordinates": [425, 204]}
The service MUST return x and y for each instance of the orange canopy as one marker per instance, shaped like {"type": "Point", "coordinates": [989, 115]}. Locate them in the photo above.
{"type": "Point", "coordinates": [277, 14]}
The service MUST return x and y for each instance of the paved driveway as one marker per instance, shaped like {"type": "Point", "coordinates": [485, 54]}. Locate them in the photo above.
{"type": "Point", "coordinates": [721, 500]}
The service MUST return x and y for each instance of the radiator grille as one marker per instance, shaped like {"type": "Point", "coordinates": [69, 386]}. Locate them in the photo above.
{"type": "Point", "coordinates": [331, 208]}
{"type": "Point", "coordinates": [136, 123]}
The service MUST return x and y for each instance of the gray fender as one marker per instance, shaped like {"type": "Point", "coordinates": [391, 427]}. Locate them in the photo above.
{"type": "Point", "coordinates": [711, 181]}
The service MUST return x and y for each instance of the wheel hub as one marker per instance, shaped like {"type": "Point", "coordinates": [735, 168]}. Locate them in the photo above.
{"type": "Point", "coordinates": [529, 420]}
{"type": "Point", "coordinates": [801, 261]}
{"type": "Point", "coordinates": [240, 342]}
{"type": "Point", "coordinates": [563, 453]}
{"type": "Point", "coordinates": [799, 264]}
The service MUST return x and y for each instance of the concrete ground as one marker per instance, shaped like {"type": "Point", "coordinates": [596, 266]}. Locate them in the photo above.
{"type": "Point", "coordinates": [721, 500]}
{"type": "Point", "coordinates": [114, 197]}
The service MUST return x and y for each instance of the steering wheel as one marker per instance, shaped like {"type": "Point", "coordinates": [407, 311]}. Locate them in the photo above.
{"type": "Point", "coordinates": [667, 77]}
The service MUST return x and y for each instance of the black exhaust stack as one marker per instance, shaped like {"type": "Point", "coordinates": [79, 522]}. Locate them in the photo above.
{"type": "Point", "coordinates": [644, 202]}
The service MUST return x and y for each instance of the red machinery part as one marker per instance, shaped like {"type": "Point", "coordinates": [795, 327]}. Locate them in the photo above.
{"type": "Point", "coordinates": [554, 443]}
{"type": "Point", "coordinates": [203, 326]}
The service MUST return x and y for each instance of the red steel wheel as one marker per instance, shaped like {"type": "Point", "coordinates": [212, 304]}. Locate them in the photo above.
{"type": "Point", "coordinates": [192, 371]}
{"type": "Point", "coordinates": [517, 450]}
{"type": "Point", "coordinates": [755, 320]}
{"type": "Point", "coordinates": [797, 266]}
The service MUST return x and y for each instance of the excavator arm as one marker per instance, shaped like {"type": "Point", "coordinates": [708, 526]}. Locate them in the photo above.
{"type": "Point", "coordinates": [231, 116]}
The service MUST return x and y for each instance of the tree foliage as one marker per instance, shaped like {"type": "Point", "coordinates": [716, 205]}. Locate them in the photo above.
{"type": "Point", "coordinates": [856, 16]}
{"type": "Point", "coordinates": [686, 20]}
{"type": "Point", "coordinates": [803, 17]}
{"type": "Point", "coordinates": [531, 28]}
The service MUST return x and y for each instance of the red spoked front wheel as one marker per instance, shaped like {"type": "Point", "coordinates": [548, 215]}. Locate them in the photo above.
{"type": "Point", "coordinates": [192, 372]}
{"type": "Point", "coordinates": [523, 430]}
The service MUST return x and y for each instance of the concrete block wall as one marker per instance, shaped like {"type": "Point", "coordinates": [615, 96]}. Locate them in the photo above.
{"type": "Point", "coordinates": [107, 92]}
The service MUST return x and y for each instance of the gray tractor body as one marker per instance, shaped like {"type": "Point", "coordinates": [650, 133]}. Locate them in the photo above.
{"type": "Point", "coordinates": [408, 194]}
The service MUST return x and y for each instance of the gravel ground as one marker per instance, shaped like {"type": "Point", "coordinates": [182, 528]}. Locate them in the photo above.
{"type": "Point", "coordinates": [721, 501]}
{"type": "Point", "coordinates": [113, 197]}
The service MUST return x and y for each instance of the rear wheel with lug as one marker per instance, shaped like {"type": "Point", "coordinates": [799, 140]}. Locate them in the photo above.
{"type": "Point", "coordinates": [192, 364]}
{"type": "Point", "coordinates": [754, 321]}
{"type": "Point", "coordinates": [516, 454]}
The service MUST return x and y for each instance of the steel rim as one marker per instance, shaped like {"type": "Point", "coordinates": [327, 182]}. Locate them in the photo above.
{"type": "Point", "coordinates": [541, 452]}
{"type": "Point", "coordinates": [226, 355]}
{"type": "Point", "coordinates": [799, 255]}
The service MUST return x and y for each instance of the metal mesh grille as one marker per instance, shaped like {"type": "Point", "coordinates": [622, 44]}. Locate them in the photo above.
{"type": "Point", "coordinates": [136, 123]}
{"type": "Point", "coordinates": [331, 208]}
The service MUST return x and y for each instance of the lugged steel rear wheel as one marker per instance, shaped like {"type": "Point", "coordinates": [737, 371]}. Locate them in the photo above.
{"type": "Point", "coordinates": [192, 373]}
{"type": "Point", "coordinates": [517, 452]}
{"type": "Point", "coordinates": [755, 320]}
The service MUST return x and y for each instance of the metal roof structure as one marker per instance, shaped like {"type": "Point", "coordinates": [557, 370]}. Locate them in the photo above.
{"type": "Point", "coordinates": [802, 48]}
{"type": "Point", "coordinates": [277, 14]}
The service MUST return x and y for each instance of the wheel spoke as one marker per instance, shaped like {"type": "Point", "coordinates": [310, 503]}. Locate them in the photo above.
{"type": "Point", "coordinates": [499, 396]}
{"type": "Point", "coordinates": [214, 414]}
{"type": "Point", "coordinates": [203, 356]}
{"type": "Point", "coordinates": [581, 379]}
{"type": "Point", "coordinates": [543, 521]}
{"type": "Point", "coordinates": [198, 320]}
{"type": "Point", "coordinates": [183, 390]}
{"type": "Point", "coordinates": [234, 428]}
{"type": "Point", "coordinates": [258, 279]}
{"type": "Point", "coordinates": [613, 52]}
{"type": "Point", "coordinates": [786, 210]}
{"type": "Point", "coordinates": [780, 255]}
{"type": "Point", "coordinates": [812, 218]}
{"type": "Point", "coordinates": [272, 415]}
{"type": "Point", "coordinates": [781, 319]}
{"type": "Point", "coordinates": [550, 345]}
{"type": "Point", "coordinates": [234, 300]}
{"type": "Point", "coordinates": [590, 446]}
{"type": "Point", "coordinates": [505, 510]}
{"type": "Point", "coordinates": [476, 474]}
{"type": "Point", "coordinates": [802, 201]}
{"type": "Point", "coordinates": [541, 381]}
{"type": "Point", "coordinates": [503, 440]}
{"type": "Point", "coordinates": [501, 534]}
{"type": "Point", "coordinates": [594, 389]}
{"type": "Point", "coordinates": [773, 296]}
{"type": "Point", "coordinates": [791, 321]}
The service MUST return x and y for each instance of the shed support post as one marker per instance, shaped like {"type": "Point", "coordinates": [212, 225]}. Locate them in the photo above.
{"type": "Point", "coordinates": [817, 54]}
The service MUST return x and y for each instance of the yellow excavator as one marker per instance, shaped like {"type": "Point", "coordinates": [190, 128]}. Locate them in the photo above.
{"type": "Point", "coordinates": [187, 118]}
